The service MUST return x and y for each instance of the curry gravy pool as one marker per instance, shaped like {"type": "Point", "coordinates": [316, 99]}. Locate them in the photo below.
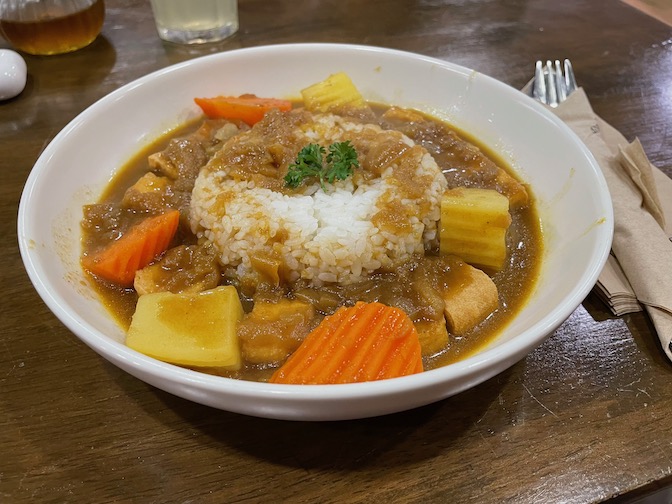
{"type": "Point", "coordinates": [413, 283]}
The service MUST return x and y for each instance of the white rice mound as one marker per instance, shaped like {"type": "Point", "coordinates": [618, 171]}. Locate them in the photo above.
{"type": "Point", "coordinates": [322, 237]}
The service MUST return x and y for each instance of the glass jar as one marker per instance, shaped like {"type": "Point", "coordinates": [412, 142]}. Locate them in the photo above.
{"type": "Point", "coordinates": [51, 26]}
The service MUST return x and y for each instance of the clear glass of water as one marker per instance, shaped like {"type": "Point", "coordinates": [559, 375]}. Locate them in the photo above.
{"type": "Point", "coordinates": [195, 21]}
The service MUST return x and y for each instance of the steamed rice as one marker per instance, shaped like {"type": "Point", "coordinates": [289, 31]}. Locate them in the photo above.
{"type": "Point", "coordinates": [319, 236]}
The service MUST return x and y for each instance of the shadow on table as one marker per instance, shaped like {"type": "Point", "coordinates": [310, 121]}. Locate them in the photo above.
{"type": "Point", "coordinates": [395, 439]}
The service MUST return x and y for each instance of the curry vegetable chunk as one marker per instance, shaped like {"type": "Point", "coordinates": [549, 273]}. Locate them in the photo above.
{"type": "Point", "coordinates": [474, 222]}
{"type": "Point", "coordinates": [273, 330]}
{"type": "Point", "coordinates": [469, 305]}
{"type": "Point", "coordinates": [365, 342]}
{"type": "Point", "coordinates": [334, 93]}
{"type": "Point", "coordinates": [189, 329]}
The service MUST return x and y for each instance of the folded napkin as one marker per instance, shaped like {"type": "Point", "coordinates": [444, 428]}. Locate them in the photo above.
{"type": "Point", "coordinates": [613, 286]}
{"type": "Point", "coordinates": [639, 271]}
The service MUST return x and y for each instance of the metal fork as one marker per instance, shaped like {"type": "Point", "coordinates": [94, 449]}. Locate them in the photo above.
{"type": "Point", "coordinates": [552, 83]}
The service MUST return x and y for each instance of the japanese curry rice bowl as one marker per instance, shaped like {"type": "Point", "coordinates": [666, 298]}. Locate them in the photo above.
{"type": "Point", "coordinates": [322, 241]}
{"type": "Point", "coordinates": [343, 253]}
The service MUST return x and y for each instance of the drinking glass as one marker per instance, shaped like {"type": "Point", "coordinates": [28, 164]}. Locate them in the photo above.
{"type": "Point", "coordinates": [195, 21]}
{"type": "Point", "coordinates": [44, 27]}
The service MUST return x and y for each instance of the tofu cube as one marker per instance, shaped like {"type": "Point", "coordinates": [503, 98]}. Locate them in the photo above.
{"type": "Point", "coordinates": [474, 299]}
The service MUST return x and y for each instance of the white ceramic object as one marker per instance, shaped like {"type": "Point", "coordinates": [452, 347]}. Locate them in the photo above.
{"type": "Point", "coordinates": [13, 74]}
{"type": "Point", "coordinates": [574, 204]}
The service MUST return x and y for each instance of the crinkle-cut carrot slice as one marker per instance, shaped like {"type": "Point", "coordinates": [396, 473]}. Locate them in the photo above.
{"type": "Point", "coordinates": [365, 342]}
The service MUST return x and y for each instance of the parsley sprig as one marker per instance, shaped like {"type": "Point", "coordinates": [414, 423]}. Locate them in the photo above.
{"type": "Point", "coordinates": [339, 164]}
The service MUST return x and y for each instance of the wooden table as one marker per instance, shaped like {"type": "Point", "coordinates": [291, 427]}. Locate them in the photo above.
{"type": "Point", "coordinates": [584, 418]}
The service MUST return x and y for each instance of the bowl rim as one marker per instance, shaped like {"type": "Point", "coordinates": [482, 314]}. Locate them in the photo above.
{"type": "Point", "coordinates": [498, 358]}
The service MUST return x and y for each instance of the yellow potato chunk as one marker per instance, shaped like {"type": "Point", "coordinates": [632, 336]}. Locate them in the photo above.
{"type": "Point", "coordinates": [189, 329]}
{"type": "Point", "coordinates": [336, 92]}
{"type": "Point", "coordinates": [474, 223]}
{"type": "Point", "coordinates": [433, 336]}
{"type": "Point", "coordinates": [149, 192]}
{"type": "Point", "coordinates": [273, 330]}
{"type": "Point", "coordinates": [470, 302]}
{"type": "Point", "coordinates": [512, 189]}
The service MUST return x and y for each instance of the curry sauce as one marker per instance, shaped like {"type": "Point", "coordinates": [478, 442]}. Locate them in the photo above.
{"type": "Point", "coordinates": [412, 286]}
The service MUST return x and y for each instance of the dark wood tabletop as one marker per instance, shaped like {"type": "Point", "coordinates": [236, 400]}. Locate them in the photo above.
{"type": "Point", "coordinates": [586, 417]}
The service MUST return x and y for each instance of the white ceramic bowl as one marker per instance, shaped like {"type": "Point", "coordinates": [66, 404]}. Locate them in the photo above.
{"type": "Point", "coordinates": [574, 204]}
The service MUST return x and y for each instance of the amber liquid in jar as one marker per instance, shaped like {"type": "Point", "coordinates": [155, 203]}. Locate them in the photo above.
{"type": "Point", "coordinates": [52, 28]}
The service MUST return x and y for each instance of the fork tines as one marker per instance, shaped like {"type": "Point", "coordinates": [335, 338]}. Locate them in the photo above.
{"type": "Point", "coordinates": [553, 83]}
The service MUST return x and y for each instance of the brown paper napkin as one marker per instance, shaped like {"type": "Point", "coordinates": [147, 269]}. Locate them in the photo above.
{"type": "Point", "coordinates": [613, 286]}
{"type": "Point", "coordinates": [639, 272]}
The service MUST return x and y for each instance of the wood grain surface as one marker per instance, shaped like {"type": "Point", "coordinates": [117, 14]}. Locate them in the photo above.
{"type": "Point", "coordinates": [584, 418]}
{"type": "Point", "coordinates": [659, 9]}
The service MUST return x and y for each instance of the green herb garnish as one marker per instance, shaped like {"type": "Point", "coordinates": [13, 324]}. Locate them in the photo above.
{"type": "Point", "coordinates": [339, 164]}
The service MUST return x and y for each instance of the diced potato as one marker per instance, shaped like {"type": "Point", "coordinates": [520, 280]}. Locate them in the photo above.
{"type": "Point", "coordinates": [433, 336]}
{"type": "Point", "coordinates": [148, 193]}
{"type": "Point", "coordinates": [189, 329]}
{"type": "Point", "coordinates": [474, 224]}
{"type": "Point", "coordinates": [272, 331]}
{"type": "Point", "coordinates": [268, 267]}
{"type": "Point", "coordinates": [470, 302]}
{"type": "Point", "coordinates": [148, 279]}
{"type": "Point", "coordinates": [405, 115]}
{"type": "Point", "coordinates": [335, 92]}
{"type": "Point", "coordinates": [227, 131]}
{"type": "Point", "coordinates": [162, 164]}
{"type": "Point", "coordinates": [512, 189]}
{"type": "Point", "coordinates": [149, 182]}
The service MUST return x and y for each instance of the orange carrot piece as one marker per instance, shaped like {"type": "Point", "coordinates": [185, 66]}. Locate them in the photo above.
{"type": "Point", "coordinates": [134, 250]}
{"type": "Point", "coordinates": [248, 108]}
{"type": "Point", "coordinates": [365, 342]}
